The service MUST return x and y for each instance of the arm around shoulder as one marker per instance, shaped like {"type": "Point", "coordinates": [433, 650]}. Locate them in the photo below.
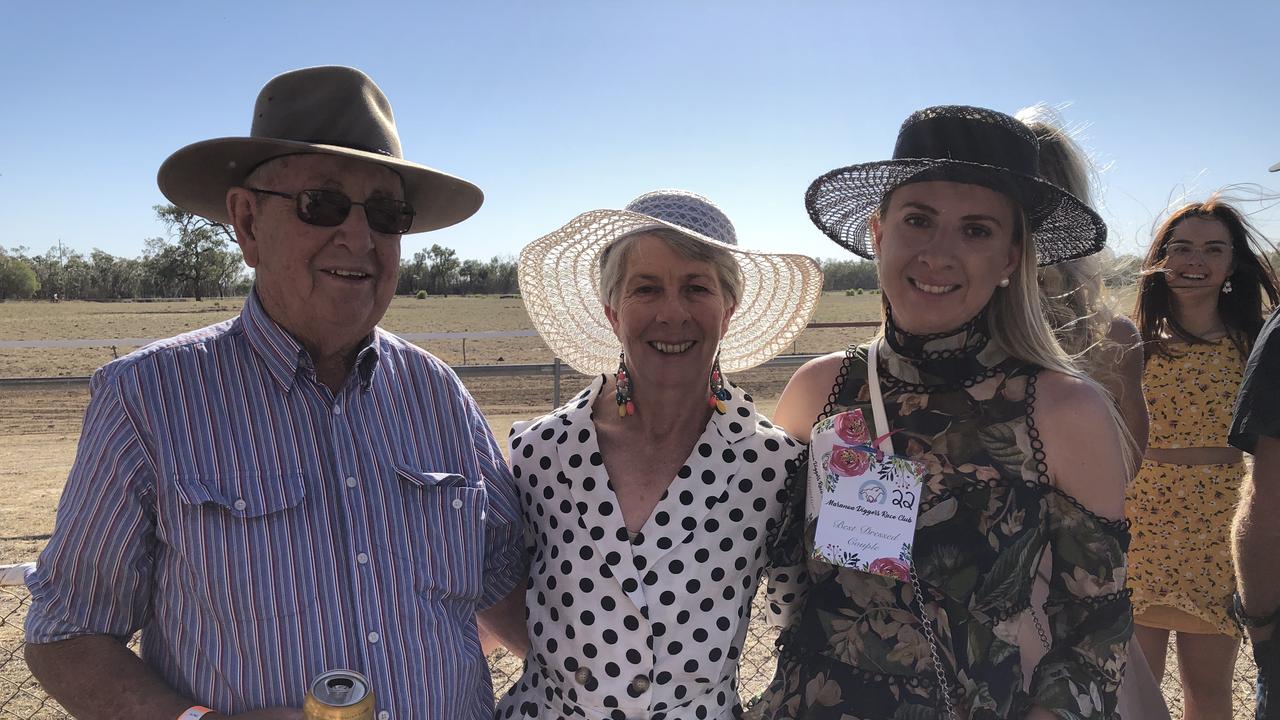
{"type": "Point", "coordinates": [806, 395]}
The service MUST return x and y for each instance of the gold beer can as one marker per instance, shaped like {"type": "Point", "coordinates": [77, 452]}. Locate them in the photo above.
{"type": "Point", "coordinates": [339, 695]}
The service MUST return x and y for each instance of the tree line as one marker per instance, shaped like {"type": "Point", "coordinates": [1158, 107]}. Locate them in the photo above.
{"type": "Point", "coordinates": [198, 258]}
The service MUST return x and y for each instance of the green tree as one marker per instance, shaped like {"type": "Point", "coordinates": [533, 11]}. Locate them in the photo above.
{"type": "Point", "coordinates": [442, 270]}
{"type": "Point", "coordinates": [17, 277]}
{"type": "Point", "coordinates": [503, 275]}
{"type": "Point", "coordinates": [849, 275]}
{"type": "Point", "coordinates": [199, 247]}
{"type": "Point", "coordinates": [474, 275]}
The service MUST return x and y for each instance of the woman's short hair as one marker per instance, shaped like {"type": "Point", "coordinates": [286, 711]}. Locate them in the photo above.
{"type": "Point", "coordinates": [613, 262]}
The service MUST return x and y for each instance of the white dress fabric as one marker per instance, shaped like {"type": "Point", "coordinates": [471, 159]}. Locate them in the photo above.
{"type": "Point", "coordinates": [649, 626]}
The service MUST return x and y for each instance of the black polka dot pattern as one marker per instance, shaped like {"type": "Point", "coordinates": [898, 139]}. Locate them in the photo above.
{"type": "Point", "coordinates": [645, 624]}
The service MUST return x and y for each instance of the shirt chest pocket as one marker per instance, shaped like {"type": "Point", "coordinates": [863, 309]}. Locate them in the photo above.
{"type": "Point", "coordinates": [241, 539]}
{"type": "Point", "coordinates": [445, 545]}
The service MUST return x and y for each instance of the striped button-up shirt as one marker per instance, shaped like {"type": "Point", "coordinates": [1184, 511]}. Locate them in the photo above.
{"type": "Point", "coordinates": [259, 529]}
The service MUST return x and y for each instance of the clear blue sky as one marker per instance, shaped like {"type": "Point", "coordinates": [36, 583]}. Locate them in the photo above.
{"type": "Point", "coordinates": [556, 107]}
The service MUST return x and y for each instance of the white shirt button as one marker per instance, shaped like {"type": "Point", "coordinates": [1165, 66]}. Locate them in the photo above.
{"type": "Point", "coordinates": [337, 409]}
{"type": "Point", "coordinates": [384, 715]}
{"type": "Point", "coordinates": [351, 482]}
{"type": "Point", "coordinates": [457, 504]}
{"type": "Point", "coordinates": [241, 504]}
{"type": "Point", "coordinates": [362, 558]}
{"type": "Point", "coordinates": [373, 637]}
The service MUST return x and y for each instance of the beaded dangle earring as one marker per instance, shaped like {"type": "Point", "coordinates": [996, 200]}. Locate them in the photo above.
{"type": "Point", "coordinates": [718, 394]}
{"type": "Point", "coordinates": [622, 390]}
{"type": "Point", "coordinates": [1226, 287]}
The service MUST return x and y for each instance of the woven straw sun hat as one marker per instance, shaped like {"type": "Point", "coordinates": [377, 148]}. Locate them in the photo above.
{"type": "Point", "coordinates": [560, 279]}
{"type": "Point", "coordinates": [329, 110]}
{"type": "Point", "coordinates": [964, 144]}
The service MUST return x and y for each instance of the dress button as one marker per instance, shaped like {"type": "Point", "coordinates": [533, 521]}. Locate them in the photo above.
{"type": "Point", "coordinates": [362, 558]}
{"type": "Point", "coordinates": [373, 637]}
{"type": "Point", "coordinates": [384, 715]}
{"type": "Point", "coordinates": [351, 482]}
{"type": "Point", "coordinates": [241, 504]}
{"type": "Point", "coordinates": [640, 683]}
{"type": "Point", "coordinates": [583, 676]}
{"type": "Point", "coordinates": [457, 503]}
{"type": "Point", "coordinates": [337, 409]}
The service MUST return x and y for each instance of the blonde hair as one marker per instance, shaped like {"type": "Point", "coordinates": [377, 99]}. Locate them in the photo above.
{"type": "Point", "coordinates": [1074, 297]}
{"type": "Point", "coordinates": [613, 262]}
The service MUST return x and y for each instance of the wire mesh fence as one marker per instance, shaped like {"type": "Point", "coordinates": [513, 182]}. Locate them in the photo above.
{"type": "Point", "coordinates": [21, 697]}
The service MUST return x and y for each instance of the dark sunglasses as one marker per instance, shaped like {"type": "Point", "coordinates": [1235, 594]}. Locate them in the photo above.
{"type": "Point", "coordinates": [328, 208]}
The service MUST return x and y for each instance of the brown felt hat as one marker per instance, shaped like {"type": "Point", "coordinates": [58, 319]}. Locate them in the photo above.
{"type": "Point", "coordinates": [331, 110]}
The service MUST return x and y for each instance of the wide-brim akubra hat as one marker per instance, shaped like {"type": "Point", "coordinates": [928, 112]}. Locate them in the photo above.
{"type": "Point", "coordinates": [961, 144]}
{"type": "Point", "coordinates": [330, 110]}
{"type": "Point", "coordinates": [559, 277]}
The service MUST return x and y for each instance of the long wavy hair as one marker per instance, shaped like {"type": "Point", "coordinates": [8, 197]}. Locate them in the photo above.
{"type": "Point", "coordinates": [1074, 297]}
{"type": "Point", "coordinates": [1251, 278]}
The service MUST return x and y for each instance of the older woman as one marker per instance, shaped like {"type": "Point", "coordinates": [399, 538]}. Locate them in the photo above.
{"type": "Point", "coordinates": [652, 494]}
{"type": "Point", "coordinates": [995, 446]}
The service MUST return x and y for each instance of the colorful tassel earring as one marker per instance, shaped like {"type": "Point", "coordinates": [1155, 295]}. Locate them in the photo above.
{"type": "Point", "coordinates": [718, 394]}
{"type": "Point", "coordinates": [622, 389]}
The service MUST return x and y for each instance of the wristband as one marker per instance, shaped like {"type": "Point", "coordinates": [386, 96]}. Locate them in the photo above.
{"type": "Point", "coordinates": [1236, 610]}
{"type": "Point", "coordinates": [195, 712]}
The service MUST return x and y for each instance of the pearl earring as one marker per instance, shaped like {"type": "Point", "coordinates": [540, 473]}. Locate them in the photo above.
{"type": "Point", "coordinates": [1004, 282]}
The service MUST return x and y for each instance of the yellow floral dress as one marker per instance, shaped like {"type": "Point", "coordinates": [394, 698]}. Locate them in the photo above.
{"type": "Point", "coordinates": [1180, 558]}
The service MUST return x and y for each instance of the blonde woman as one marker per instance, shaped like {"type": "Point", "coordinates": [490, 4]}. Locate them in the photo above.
{"type": "Point", "coordinates": [980, 399]}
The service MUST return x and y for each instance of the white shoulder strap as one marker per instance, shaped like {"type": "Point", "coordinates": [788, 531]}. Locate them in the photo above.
{"type": "Point", "coordinates": [877, 400]}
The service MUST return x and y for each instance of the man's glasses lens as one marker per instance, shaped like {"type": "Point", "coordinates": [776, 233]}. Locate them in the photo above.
{"type": "Point", "coordinates": [330, 207]}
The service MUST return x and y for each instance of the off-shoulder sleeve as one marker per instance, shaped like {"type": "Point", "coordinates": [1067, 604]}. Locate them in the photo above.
{"type": "Point", "coordinates": [1090, 617]}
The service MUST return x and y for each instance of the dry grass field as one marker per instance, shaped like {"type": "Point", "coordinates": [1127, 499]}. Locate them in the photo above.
{"type": "Point", "coordinates": [39, 425]}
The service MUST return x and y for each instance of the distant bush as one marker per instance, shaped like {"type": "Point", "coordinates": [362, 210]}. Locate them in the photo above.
{"type": "Point", "coordinates": [422, 295]}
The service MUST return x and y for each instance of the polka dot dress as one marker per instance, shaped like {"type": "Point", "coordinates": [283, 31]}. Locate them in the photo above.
{"type": "Point", "coordinates": [646, 625]}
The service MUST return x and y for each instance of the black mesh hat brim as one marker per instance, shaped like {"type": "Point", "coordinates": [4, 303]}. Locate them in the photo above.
{"type": "Point", "coordinates": [842, 201]}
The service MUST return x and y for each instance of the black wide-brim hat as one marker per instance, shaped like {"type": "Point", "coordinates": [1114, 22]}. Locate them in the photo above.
{"type": "Point", "coordinates": [330, 110]}
{"type": "Point", "coordinates": [963, 144]}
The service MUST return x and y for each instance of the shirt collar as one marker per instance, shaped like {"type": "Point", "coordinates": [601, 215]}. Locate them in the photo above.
{"type": "Point", "coordinates": [284, 356]}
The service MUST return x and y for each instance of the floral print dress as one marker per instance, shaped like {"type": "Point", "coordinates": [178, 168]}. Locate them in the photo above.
{"type": "Point", "coordinates": [858, 651]}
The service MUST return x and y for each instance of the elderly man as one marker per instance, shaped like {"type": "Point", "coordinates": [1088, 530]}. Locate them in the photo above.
{"type": "Point", "coordinates": [294, 490]}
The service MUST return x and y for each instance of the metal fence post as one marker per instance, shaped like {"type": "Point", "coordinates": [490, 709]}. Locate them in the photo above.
{"type": "Point", "coordinates": [555, 374]}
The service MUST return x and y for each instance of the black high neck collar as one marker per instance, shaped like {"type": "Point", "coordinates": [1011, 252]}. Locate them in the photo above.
{"type": "Point", "coordinates": [964, 355]}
